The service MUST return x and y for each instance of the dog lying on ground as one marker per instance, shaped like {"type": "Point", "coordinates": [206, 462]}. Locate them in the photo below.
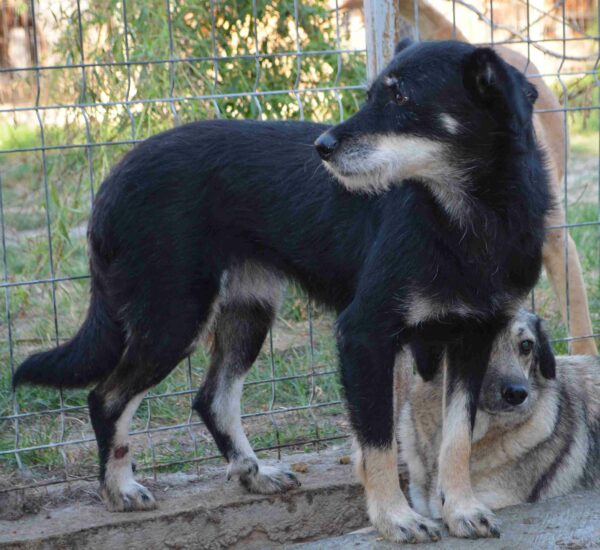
{"type": "Point", "coordinates": [419, 220]}
{"type": "Point", "coordinates": [537, 431]}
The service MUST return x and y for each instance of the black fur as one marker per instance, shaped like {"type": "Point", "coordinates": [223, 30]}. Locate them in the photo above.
{"type": "Point", "coordinates": [427, 357]}
{"type": "Point", "coordinates": [82, 360]}
{"type": "Point", "coordinates": [566, 426]}
{"type": "Point", "coordinates": [104, 428]}
{"type": "Point", "coordinates": [544, 355]}
{"type": "Point", "coordinates": [500, 87]}
{"type": "Point", "coordinates": [239, 335]}
{"type": "Point", "coordinates": [185, 206]}
{"type": "Point", "coordinates": [591, 472]}
{"type": "Point", "coordinates": [402, 45]}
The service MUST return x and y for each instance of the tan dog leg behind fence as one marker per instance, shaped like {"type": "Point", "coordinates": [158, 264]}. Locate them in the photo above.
{"type": "Point", "coordinates": [560, 261]}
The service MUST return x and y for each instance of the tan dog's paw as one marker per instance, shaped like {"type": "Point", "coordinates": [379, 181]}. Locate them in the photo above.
{"type": "Point", "coordinates": [470, 520]}
{"type": "Point", "coordinates": [405, 526]}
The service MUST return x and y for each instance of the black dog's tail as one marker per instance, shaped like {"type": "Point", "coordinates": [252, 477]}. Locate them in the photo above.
{"type": "Point", "coordinates": [92, 353]}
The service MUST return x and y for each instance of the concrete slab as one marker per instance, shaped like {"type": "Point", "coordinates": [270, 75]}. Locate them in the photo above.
{"type": "Point", "coordinates": [194, 512]}
{"type": "Point", "coordinates": [566, 523]}
{"type": "Point", "coordinates": [206, 512]}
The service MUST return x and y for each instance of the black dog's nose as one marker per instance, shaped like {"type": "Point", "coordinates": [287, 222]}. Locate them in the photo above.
{"type": "Point", "coordinates": [514, 394]}
{"type": "Point", "coordinates": [325, 145]}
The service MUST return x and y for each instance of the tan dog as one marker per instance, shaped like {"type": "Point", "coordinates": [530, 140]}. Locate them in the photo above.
{"type": "Point", "coordinates": [550, 131]}
{"type": "Point", "coordinates": [537, 430]}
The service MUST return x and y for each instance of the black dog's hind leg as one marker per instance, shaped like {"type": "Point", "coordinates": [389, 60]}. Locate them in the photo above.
{"type": "Point", "coordinates": [111, 417]}
{"type": "Point", "coordinates": [159, 339]}
{"type": "Point", "coordinates": [466, 364]}
{"type": "Point", "coordinates": [246, 313]}
{"type": "Point", "coordinates": [367, 364]}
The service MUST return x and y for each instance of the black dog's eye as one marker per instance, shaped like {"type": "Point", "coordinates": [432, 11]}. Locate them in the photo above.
{"type": "Point", "coordinates": [400, 99]}
{"type": "Point", "coordinates": [369, 95]}
{"type": "Point", "coordinates": [525, 347]}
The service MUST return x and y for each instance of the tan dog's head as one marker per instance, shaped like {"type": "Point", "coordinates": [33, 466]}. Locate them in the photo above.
{"type": "Point", "coordinates": [521, 363]}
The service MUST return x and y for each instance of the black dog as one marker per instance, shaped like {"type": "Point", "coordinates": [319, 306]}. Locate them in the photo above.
{"type": "Point", "coordinates": [426, 229]}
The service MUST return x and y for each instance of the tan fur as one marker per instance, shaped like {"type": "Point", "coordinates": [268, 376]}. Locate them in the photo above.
{"type": "Point", "coordinates": [510, 453]}
{"type": "Point", "coordinates": [252, 282]}
{"type": "Point", "coordinates": [374, 162]}
{"type": "Point", "coordinates": [422, 308]}
{"type": "Point", "coordinates": [120, 491]}
{"type": "Point", "coordinates": [377, 469]}
{"type": "Point", "coordinates": [455, 451]}
{"type": "Point", "coordinates": [387, 506]}
{"type": "Point", "coordinates": [463, 513]}
{"type": "Point", "coordinates": [245, 283]}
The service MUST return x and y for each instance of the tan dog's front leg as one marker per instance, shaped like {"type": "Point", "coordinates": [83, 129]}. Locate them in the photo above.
{"type": "Point", "coordinates": [463, 514]}
{"type": "Point", "coordinates": [387, 506]}
{"type": "Point", "coordinates": [464, 369]}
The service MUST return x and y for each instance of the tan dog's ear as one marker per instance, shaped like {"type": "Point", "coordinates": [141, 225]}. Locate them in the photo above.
{"type": "Point", "coordinates": [544, 353]}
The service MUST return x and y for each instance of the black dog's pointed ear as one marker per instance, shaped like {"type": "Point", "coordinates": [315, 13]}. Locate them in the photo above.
{"type": "Point", "coordinates": [530, 91]}
{"type": "Point", "coordinates": [545, 354]}
{"type": "Point", "coordinates": [500, 88]}
{"type": "Point", "coordinates": [485, 75]}
{"type": "Point", "coordinates": [402, 45]}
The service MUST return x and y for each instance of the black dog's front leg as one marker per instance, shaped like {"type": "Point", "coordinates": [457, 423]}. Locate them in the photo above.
{"type": "Point", "coordinates": [466, 364]}
{"type": "Point", "coordinates": [367, 366]}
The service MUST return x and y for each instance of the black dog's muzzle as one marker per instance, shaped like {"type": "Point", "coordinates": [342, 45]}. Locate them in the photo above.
{"type": "Point", "coordinates": [326, 144]}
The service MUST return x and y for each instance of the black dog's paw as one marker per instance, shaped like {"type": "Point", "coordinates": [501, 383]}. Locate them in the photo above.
{"type": "Point", "coordinates": [129, 497]}
{"type": "Point", "coordinates": [268, 480]}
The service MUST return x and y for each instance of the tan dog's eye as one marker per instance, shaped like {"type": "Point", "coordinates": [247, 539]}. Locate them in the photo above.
{"type": "Point", "coordinates": [400, 99]}
{"type": "Point", "coordinates": [525, 347]}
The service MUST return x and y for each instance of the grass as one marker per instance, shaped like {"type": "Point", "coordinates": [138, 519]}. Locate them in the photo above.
{"type": "Point", "coordinates": [587, 239]}
{"type": "Point", "coordinates": [260, 396]}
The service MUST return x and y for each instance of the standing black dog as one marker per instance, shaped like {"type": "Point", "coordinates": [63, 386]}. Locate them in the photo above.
{"type": "Point", "coordinates": [421, 223]}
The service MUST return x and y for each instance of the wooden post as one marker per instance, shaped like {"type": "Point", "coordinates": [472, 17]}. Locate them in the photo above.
{"type": "Point", "coordinates": [380, 27]}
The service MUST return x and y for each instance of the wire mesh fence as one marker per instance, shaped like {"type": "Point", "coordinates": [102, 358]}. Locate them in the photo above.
{"type": "Point", "coordinates": [81, 83]}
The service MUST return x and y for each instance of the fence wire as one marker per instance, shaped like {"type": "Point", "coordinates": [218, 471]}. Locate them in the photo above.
{"type": "Point", "coordinates": [80, 84]}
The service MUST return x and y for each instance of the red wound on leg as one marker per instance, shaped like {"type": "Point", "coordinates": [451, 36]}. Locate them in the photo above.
{"type": "Point", "coordinates": [120, 452]}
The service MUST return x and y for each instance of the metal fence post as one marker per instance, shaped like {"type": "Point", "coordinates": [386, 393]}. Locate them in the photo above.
{"type": "Point", "coordinates": [381, 34]}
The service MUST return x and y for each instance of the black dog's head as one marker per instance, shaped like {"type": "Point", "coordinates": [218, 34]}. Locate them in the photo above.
{"type": "Point", "coordinates": [428, 115]}
{"type": "Point", "coordinates": [522, 362]}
